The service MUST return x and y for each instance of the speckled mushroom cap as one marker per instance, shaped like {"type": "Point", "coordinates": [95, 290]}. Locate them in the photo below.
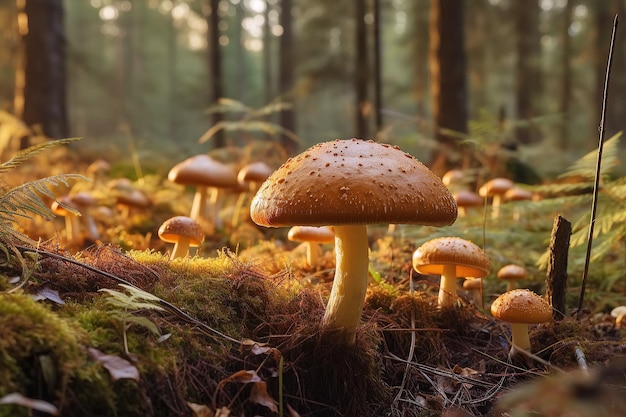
{"type": "Point", "coordinates": [470, 260]}
{"type": "Point", "coordinates": [173, 228]}
{"type": "Point", "coordinates": [352, 181]}
{"type": "Point", "coordinates": [203, 170]}
{"type": "Point", "coordinates": [311, 234]}
{"type": "Point", "coordinates": [521, 306]}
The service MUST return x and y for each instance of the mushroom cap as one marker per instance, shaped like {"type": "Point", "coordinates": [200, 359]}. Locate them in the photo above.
{"type": "Point", "coordinates": [173, 228]}
{"type": "Point", "coordinates": [521, 306]}
{"type": "Point", "coordinates": [83, 199]}
{"type": "Point", "coordinates": [467, 198]}
{"type": "Point", "coordinates": [496, 186]}
{"type": "Point", "coordinates": [453, 176]}
{"type": "Point", "coordinates": [512, 271]}
{"type": "Point", "coordinates": [254, 172]}
{"type": "Point", "coordinates": [518, 194]}
{"type": "Point", "coordinates": [472, 284]}
{"type": "Point", "coordinates": [311, 234]}
{"type": "Point", "coordinates": [350, 182]}
{"type": "Point", "coordinates": [203, 170]}
{"type": "Point", "coordinates": [618, 311]}
{"type": "Point", "coordinates": [469, 259]}
{"type": "Point", "coordinates": [58, 209]}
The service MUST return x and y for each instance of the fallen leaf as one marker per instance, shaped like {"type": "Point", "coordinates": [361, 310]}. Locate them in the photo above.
{"type": "Point", "coordinates": [243, 376]}
{"type": "Point", "coordinates": [16, 398]}
{"type": "Point", "coordinates": [119, 368]}
{"type": "Point", "coordinates": [200, 410]}
{"type": "Point", "coordinates": [47, 293]}
{"type": "Point", "coordinates": [259, 395]}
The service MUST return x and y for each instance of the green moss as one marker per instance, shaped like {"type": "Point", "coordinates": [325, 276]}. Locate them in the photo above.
{"type": "Point", "coordinates": [39, 352]}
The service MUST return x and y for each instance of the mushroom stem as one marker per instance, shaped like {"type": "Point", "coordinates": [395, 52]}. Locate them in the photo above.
{"type": "Point", "coordinates": [347, 296]}
{"type": "Point", "coordinates": [521, 340]}
{"type": "Point", "coordinates": [181, 247]}
{"type": "Point", "coordinates": [217, 198]}
{"type": "Point", "coordinates": [312, 253]}
{"type": "Point", "coordinates": [199, 206]}
{"type": "Point", "coordinates": [447, 286]}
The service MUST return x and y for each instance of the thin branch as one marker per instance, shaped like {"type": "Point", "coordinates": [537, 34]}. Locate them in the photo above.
{"type": "Point", "coordinates": [598, 165]}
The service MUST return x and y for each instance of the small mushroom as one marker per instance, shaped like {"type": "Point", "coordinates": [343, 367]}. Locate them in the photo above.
{"type": "Point", "coordinates": [475, 287]}
{"type": "Point", "coordinates": [495, 188]}
{"type": "Point", "coordinates": [511, 274]}
{"type": "Point", "coordinates": [84, 203]}
{"type": "Point", "coordinates": [72, 224]}
{"type": "Point", "coordinates": [348, 184]}
{"type": "Point", "coordinates": [312, 236]}
{"type": "Point", "coordinates": [252, 176]}
{"type": "Point", "coordinates": [450, 257]}
{"type": "Point", "coordinates": [520, 308]}
{"type": "Point", "coordinates": [205, 173]}
{"type": "Point", "coordinates": [184, 232]}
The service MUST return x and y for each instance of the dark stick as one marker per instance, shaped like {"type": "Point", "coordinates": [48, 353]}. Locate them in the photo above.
{"type": "Point", "coordinates": [598, 165]}
{"type": "Point", "coordinates": [556, 278]}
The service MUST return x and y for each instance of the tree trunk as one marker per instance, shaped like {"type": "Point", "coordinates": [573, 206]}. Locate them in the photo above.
{"type": "Point", "coordinates": [378, 93]}
{"type": "Point", "coordinates": [361, 73]}
{"type": "Point", "coordinates": [40, 96]}
{"type": "Point", "coordinates": [448, 80]}
{"type": "Point", "coordinates": [566, 75]}
{"type": "Point", "coordinates": [528, 74]}
{"type": "Point", "coordinates": [215, 67]}
{"type": "Point", "coordinates": [285, 84]}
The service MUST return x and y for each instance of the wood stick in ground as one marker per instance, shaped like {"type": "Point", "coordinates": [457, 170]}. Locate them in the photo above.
{"type": "Point", "coordinates": [556, 280]}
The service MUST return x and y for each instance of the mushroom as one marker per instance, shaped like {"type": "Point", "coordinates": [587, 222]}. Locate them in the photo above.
{"type": "Point", "coordinates": [475, 288]}
{"type": "Point", "coordinates": [495, 188]}
{"type": "Point", "coordinates": [184, 232]}
{"type": "Point", "coordinates": [84, 202]}
{"type": "Point", "coordinates": [348, 184]}
{"type": "Point", "coordinates": [619, 313]}
{"type": "Point", "coordinates": [518, 194]}
{"type": "Point", "coordinates": [511, 273]}
{"type": "Point", "coordinates": [312, 236]}
{"type": "Point", "coordinates": [520, 308]}
{"type": "Point", "coordinates": [450, 257]}
{"type": "Point", "coordinates": [72, 225]}
{"type": "Point", "coordinates": [205, 172]}
{"type": "Point", "coordinates": [252, 175]}
{"type": "Point", "coordinates": [466, 199]}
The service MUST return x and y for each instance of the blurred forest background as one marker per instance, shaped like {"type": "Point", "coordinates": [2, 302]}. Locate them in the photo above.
{"type": "Point", "coordinates": [453, 82]}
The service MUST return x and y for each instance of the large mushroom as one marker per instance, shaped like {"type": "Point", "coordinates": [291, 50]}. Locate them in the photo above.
{"type": "Point", "coordinates": [452, 258]}
{"type": "Point", "coordinates": [349, 184]}
{"type": "Point", "coordinates": [205, 173]}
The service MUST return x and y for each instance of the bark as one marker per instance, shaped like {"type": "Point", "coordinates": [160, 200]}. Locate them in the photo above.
{"type": "Point", "coordinates": [40, 96]}
{"type": "Point", "coordinates": [361, 73]}
{"type": "Point", "coordinates": [215, 66]}
{"type": "Point", "coordinates": [286, 80]}
{"type": "Point", "coordinates": [448, 78]}
{"type": "Point", "coordinates": [556, 281]}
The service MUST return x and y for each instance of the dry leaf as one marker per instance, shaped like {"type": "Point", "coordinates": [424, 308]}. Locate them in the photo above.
{"type": "Point", "coordinates": [16, 398]}
{"type": "Point", "coordinates": [200, 410]}
{"type": "Point", "coordinates": [259, 395]}
{"type": "Point", "coordinates": [119, 368]}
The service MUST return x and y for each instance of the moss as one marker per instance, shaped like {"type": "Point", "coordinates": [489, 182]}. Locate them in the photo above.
{"type": "Point", "coordinates": [39, 352]}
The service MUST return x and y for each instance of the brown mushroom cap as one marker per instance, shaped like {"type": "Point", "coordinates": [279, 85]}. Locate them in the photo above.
{"type": "Point", "coordinates": [496, 186]}
{"type": "Point", "coordinates": [203, 170]}
{"type": "Point", "coordinates": [466, 198]}
{"type": "Point", "coordinates": [512, 272]}
{"type": "Point", "coordinates": [311, 234]}
{"type": "Point", "coordinates": [350, 182]}
{"type": "Point", "coordinates": [518, 194]}
{"type": "Point", "coordinates": [172, 229]}
{"type": "Point", "coordinates": [473, 284]}
{"type": "Point", "coordinates": [469, 259]}
{"type": "Point", "coordinates": [521, 306]}
{"type": "Point", "coordinates": [254, 172]}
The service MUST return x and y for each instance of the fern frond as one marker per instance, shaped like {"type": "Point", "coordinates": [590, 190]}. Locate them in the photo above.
{"type": "Point", "coordinates": [22, 156]}
{"type": "Point", "coordinates": [248, 126]}
{"type": "Point", "coordinates": [585, 167]}
{"type": "Point", "coordinates": [25, 199]}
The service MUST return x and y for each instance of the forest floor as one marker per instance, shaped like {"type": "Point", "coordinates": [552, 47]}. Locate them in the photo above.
{"type": "Point", "coordinates": [235, 330]}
